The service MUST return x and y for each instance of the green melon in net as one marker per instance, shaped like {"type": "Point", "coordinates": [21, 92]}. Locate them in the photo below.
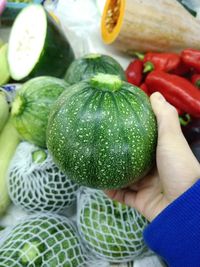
{"type": "Point", "coordinates": [110, 230]}
{"type": "Point", "coordinates": [41, 241]}
{"type": "Point", "coordinates": [36, 184]}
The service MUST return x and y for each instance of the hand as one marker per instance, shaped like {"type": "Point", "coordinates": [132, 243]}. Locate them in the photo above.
{"type": "Point", "coordinates": [177, 167]}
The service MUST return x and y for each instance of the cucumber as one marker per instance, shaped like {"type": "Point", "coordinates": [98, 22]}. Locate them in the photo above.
{"type": "Point", "coordinates": [37, 46]}
{"type": "Point", "coordinates": [4, 69]}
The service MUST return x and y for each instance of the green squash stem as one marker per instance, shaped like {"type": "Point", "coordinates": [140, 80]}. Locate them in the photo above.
{"type": "Point", "coordinates": [108, 81]}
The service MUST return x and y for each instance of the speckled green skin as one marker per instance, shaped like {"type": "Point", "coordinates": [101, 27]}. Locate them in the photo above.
{"type": "Point", "coordinates": [100, 138]}
{"type": "Point", "coordinates": [31, 107]}
{"type": "Point", "coordinates": [86, 67]}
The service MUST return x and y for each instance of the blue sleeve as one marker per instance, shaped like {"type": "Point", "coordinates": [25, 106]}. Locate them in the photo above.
{"type": "Point", "coordinates": [175, 233]}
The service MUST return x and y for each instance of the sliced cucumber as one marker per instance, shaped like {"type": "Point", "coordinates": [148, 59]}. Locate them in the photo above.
{"type": "Point", "coordinates": [4, 70]}
{"type": "Point", "coordinates": [37, 46]}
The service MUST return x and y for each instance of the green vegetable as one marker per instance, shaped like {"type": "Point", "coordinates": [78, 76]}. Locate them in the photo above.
{"type": "Point", "coordinates": [4, 70]}
{"type": "Point", "coordinates": [31, 107]}
{"type": "Point", "coordinates": [109, 229]}
{"type": "Point", "coordinates": [35, 183]}
{"type": "Point", "coordinates": [91, 64]}
{"type": "Point", "coordinates": [42, 240]}
{"type": "Point", "coordinates": [37, 46]}
{"type": "Point", "coordinates": [4, 110]}
{"type": "Point", "coordinates": [9, 139]}
{"type": "Point", "coordinates": [102, 133]}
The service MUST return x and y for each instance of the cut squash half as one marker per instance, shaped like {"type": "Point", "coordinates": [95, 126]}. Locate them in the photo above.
{"type": "Point", "coordinates": [112, 19]}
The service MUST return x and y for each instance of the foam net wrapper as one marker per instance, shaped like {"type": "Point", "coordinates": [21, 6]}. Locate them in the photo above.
{"type": "Point", "coordinates": [42, 240]}
{"type": "Point", "coordinates": [110, 230]}
{"type": "Point", "coordinates": [38, 187]}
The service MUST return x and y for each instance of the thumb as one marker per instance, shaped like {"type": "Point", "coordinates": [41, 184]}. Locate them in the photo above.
{"type": "Point", "coordinates": [170, 136]}
{"type": "Point", "coordinates": [166, 115]}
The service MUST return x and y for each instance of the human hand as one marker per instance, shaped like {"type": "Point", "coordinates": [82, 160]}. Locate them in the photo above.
{"type": "Point", "coordinates": [177, 167]}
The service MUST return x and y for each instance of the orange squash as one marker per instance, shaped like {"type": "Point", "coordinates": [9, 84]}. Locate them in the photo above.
{"type": "Point", "coordinates": [143, 25]}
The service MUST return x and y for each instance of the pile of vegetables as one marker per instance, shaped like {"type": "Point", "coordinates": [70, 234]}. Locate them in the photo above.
{"type": "Point", "coordinates": [177, 77]}
{"type": "Point", "coordinates": [73, 123]}
{"type": "Point", "coordinates": [97, 92]}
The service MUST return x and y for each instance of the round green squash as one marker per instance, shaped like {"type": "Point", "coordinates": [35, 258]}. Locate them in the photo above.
{"type": "Point", "coordinates": [31, 107]}
{"type": "Point", "coordinates": [91, 64]}
{"type": "Point", "coordinates": [102, 133]}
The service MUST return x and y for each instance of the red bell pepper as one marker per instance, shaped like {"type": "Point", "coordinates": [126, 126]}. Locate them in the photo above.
{"type": "Point", "coordinates": [195, 79]}
{"type": "Point", "coordinates": [134, 72]}
{"type": "Point", "coordinates": [144, 88]}
{"type": "Point", "coordinates": [180, 92]}
{"type": "Point", "coordinates": [191, 57]}
{"type": "Point", "coordinates": [161, 61]}
{"type": "Point", "coordinates": [182, 69]}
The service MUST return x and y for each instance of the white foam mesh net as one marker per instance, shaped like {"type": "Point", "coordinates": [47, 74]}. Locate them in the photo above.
{"type": "Point", "coordinates": [110, 230]}
{"type": "Point", "coordinates": [38, 187]}
{"type": "Point", "coordinates": [42, 240]}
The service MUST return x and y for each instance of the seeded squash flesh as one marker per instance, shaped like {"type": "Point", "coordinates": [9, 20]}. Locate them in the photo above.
{"type": "Point", "coordinates": [102, 132]}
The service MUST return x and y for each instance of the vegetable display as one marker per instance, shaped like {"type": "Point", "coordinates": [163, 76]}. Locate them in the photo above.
{"type": "Point", "coordinates": [87, 66]}
{"type": "Point", "coordinates": [31, 107]}
{"type": "Point", "coordinates": [72, 126]}
{"type": "Point", "coordinates": [41, 240]}
{"type": "Point", "coordinates": [102, 133]}
{"type": "Point", "coordinates": [36, 184]}
{"type": "Point", "coordinates": [109, 229]}
{"type": "Point", "coordinates": [37, 46]}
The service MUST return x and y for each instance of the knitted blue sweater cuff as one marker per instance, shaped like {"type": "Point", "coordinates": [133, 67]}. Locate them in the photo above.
{"type": "Point", "coordinates": [175, 233]}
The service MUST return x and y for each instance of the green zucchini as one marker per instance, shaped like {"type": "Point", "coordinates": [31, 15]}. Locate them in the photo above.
{"type": "Point", "coordinates": [91, 64]}
{"type": "Point", "coordinates": [37, 46]}
{"type": "Point", "coordinates": [9, 140]}
{"type": "Point", "coordinates": [31, 107]}
{"type": "Point", "coordinates": [102, 132]}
